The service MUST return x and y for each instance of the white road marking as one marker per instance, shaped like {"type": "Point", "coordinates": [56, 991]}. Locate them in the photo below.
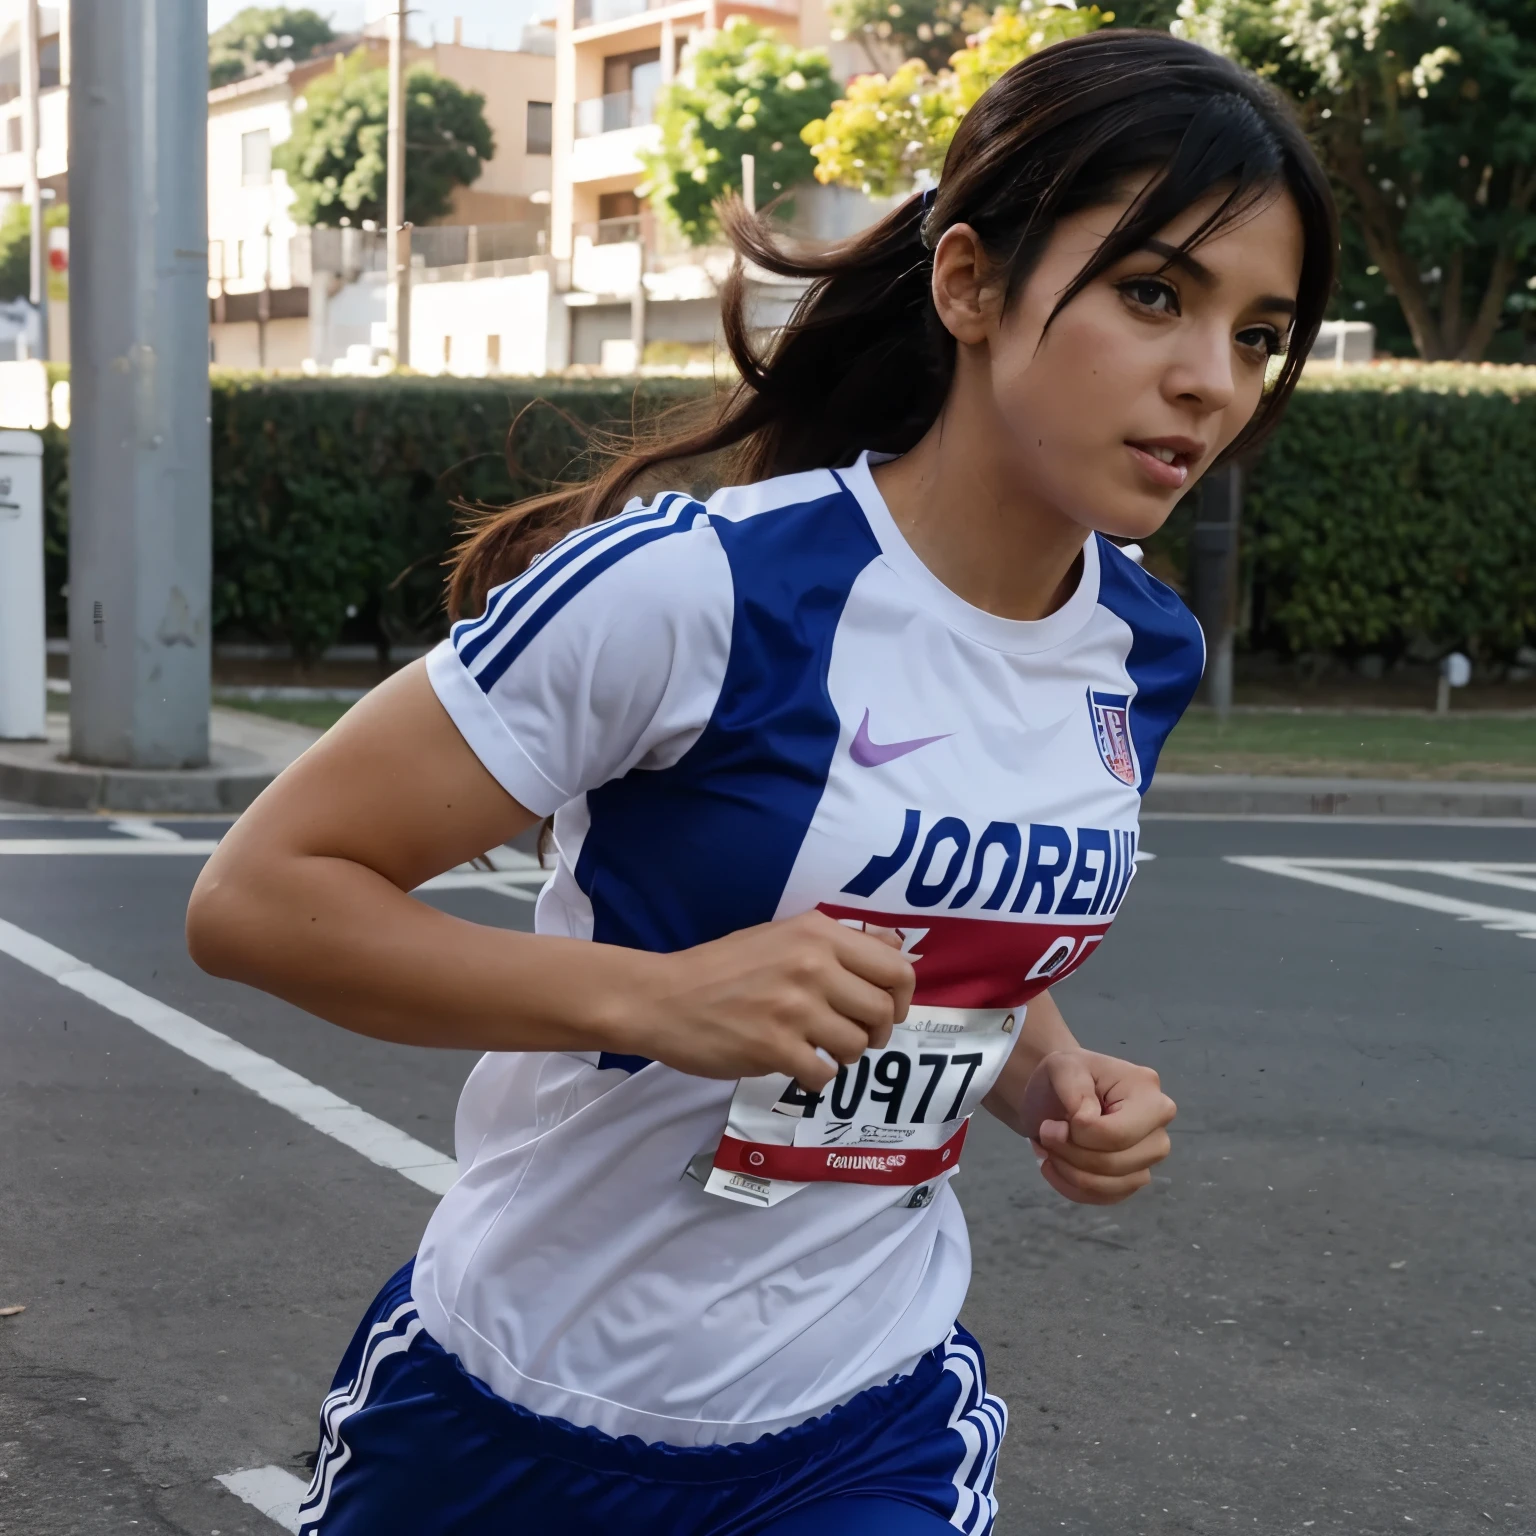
{"type": "Point", "coordinates": [138, 846]}
{"type": "Point", "coordinates": [318, 1107]}
{"type": "Point", "coordinates": [506, 882]}
{"type": "Point", "coordinates": [1514, 877]}
{"type": "Point", "coordinates": [273, 1491]}
{"type": "Point", "coordinates": [77, 817]}
{"type": "Point", "coordinates": [1334, 873]}
{"type": "Point", "coordinates": [147, 831]}
{"type": "Point", "coordinates": [513, 872]}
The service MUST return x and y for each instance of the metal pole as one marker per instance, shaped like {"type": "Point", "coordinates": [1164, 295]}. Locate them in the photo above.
{"type": "Point", "coordinates": [139, 553]}
{"type": "Point", "coordinates": [637, 301]}
{"type": "Point", "coordinates": [1214, 578]}
{"type": "Point", "coordinates": [397, 239]}
{"type": "Point", "coordinates": [31, 85]}
{"type": "Point", "coordinates": [749, 182]}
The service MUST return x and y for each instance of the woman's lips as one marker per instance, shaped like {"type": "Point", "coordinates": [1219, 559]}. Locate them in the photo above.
{"type": "Point", "coordinates": [1167, 476]}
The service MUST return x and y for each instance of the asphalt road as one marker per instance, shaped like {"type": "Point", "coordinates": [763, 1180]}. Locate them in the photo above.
{"type": "Point", "coordinates": [1321, 1318]}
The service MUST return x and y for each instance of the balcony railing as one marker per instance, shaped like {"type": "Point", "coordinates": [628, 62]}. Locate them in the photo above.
{"type": "Point", "coordinates": [612, 231]}
{"type": "Point", "coordinates": [354, 251]}
{"type": "Point", "coordinates": [607, 114]}
{"type": "Point", "coordinates": [591, 13]}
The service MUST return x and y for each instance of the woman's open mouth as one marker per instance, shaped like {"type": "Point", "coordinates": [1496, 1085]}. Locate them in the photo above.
{"type": "Point", "coordinates": [1166, 461]}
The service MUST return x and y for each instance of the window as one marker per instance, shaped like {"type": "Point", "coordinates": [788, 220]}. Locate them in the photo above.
{"type": "Point", "coordinates": [256, 158]}
{"type": "Point", "coordinates": [618, 217]}
{"type": "Point", "coordinates": [617, 205]}
{"type": "Point", "coordinates": [619, 69]}
{"type": "Point", "coordinates": [48, 63]}
{"type": "Point", "coordinates": [541, 128]}
{"type": "Point", "coordinates": [13, 135]}
{"type": "Point", "coordinates": [644, 83]}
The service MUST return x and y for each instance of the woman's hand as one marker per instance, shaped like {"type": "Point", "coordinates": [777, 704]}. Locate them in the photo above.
{"type": "Point", "coordinates": [772, 999]}
{"type": "Point", "coordinates": [1098, 1124]}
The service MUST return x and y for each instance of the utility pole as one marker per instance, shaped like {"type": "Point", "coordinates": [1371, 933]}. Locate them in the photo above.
{"type": "Point", "coordinates": [397, 237]}
{"type": "Point", "coordinates": [31, 85]}
{"type": "Point", "coordinates": [139, 548]}
{"type": "Point", "coordinates": [1214, 587]}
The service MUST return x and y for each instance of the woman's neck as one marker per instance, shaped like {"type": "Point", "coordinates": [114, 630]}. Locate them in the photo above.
{"type": "Point", "coordinates": [980, 531]}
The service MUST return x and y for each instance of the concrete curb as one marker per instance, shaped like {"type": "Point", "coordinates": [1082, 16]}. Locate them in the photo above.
{"type": "Point", "coordinates": [248, 751]}
{"type": "Point", "coordinates": [1242, 795]}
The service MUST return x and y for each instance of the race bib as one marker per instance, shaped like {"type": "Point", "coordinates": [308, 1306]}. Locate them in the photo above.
{"type": "Point", "coordinates": [896, 1117]}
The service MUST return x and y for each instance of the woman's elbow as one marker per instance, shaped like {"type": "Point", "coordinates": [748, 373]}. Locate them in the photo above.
{"type": "Point", "coordinates": [219, 922]}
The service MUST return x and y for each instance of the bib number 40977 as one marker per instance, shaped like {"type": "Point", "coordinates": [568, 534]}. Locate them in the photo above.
{"type": "Point", "coordinates": [896, 1117]}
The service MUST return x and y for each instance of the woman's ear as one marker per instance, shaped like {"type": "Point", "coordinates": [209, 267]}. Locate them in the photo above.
{"type": "Point", "coordinates": [963, 290]}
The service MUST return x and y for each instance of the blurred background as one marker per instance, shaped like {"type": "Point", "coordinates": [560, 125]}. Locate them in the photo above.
{"type": "Point", "coordinates": [286, 291]}
{"type": "Point", "coordinates": [552, 236]}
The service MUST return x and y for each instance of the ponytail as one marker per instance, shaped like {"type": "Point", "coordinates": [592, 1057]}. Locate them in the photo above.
{"type": "Point", "coordinates": [864, 361]}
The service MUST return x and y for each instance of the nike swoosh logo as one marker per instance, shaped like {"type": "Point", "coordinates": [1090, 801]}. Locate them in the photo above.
{"type": "Point", "coordinates": [870, 754]}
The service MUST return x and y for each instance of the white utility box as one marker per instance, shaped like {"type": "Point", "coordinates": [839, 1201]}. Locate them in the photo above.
{"type": "Point", "coordinates": [23, 642]}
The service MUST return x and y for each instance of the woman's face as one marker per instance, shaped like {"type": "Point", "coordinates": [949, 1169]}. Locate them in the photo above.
{"type": "Point", "coordinates": [1141, 381]}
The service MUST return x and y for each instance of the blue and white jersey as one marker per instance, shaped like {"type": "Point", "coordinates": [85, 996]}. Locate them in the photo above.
{"type": "Point", "coordinates": [739, 710]}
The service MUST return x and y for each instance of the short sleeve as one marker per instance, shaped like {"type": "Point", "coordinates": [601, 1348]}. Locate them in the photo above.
{"type": "Point", "coordinates": [607, 654]}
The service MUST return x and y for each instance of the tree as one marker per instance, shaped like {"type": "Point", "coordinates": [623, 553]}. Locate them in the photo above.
{"type": "Point", "coordinates": [16, 246]}
{"type": "Point", "coordinates": [742, 91]}
{"type": "Point", "coordinates": [263, 34]}
{"type": "Point", "coordinates": [336, 158]}
{"type": "Point", "coordinates": [893, 31]}
{"type": "Point", "coordinates": [1425, 114]}
{"type": "Point", "coordinates": [888, 131]}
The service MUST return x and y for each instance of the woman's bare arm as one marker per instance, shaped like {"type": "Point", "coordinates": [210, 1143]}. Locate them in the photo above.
{"type": "Point", "coordinates": [308, 898]}
{"type": "Point", "coordinates": [1098, 1124]}
{"type": "Point", "coordinates": [1044, 1031]}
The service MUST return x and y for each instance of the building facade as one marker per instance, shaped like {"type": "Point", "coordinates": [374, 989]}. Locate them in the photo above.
{"type": "Point", "coordinates": [52, 146]}
{"type": "Point", "coordinates": [288, 297]}
{"type": "Point", "coordinates": [632, 295]}
{"type": "Point", "coordinates": [549, 261]}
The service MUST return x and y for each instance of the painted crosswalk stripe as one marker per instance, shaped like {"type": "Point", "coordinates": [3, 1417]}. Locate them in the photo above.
{"type": "Point", "coordinates": [318, 1107]}
{"type": "Point", "coordinates": [273, 1491]}
{"type": "Point", "coordinates": [132, 847]}
{"type": "Point", "coordinates": [516, 874]}
{"type": "Point", "coordinates": [1343, 875]}
{"type": "Point", "coordinates": [145, 831]}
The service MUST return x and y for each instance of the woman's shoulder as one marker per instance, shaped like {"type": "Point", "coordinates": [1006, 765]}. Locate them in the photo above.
{"type": "Point", "coordinates": [803, 489]}
{"type": "Point", "coordinates": [1156, 615]}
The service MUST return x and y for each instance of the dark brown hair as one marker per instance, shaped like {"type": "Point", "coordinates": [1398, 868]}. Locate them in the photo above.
{"type": "Point", "coordinates": [865, 362]}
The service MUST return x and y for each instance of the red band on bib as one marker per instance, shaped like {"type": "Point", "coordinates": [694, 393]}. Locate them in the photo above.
{"type": "Point", "coordinates": [972, 962]}
{"type": "Point", "coordinates": [843, 1165]}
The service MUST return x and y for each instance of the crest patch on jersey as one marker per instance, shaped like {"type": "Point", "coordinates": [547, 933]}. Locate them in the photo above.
{"type": "Point", "coordinates": [1111, 717]}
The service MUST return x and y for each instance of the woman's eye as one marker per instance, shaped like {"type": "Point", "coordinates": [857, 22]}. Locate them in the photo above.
{"type": "Point", "coordinates": [1261, 338]}
{"type": "Point", "coordinates": [1151, 293]}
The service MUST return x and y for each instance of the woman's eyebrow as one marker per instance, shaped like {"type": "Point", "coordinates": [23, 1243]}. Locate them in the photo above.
{"type": "Point", "coordinates": [1175, 257]}
{"type": "Point", "coordinates": [1274, 303]}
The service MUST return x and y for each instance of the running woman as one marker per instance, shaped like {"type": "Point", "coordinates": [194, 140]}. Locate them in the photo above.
{"type": "Point", "coordinates": [844, 764]}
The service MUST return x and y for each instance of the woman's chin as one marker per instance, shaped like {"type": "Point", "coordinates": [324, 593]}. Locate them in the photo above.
{"type": "Point", "coordinates": [1136, 521]}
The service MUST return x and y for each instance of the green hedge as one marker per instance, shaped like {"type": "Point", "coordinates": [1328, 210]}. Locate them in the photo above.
{"type": "Point", "coordinates": [333, 499]}
{"type": "Point", "coordinates": [1395, 508]}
